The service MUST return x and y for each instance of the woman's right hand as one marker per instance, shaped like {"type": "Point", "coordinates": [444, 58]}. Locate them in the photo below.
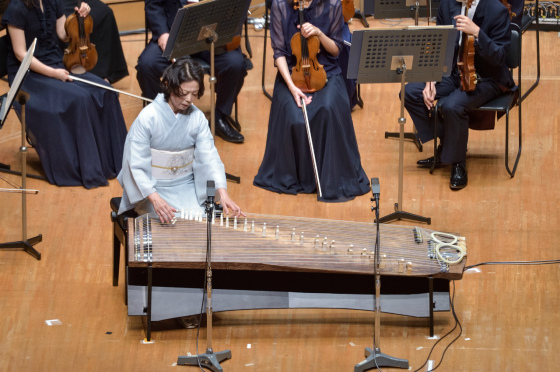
{"type": "Point", "coordinates": [61, 74]}
{"type": "Point", "coordinates": [164, 211]}
{"type": "Point", "coordinates": [299, 95]}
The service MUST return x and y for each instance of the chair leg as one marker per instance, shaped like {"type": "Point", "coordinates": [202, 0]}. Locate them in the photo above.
{"type": "Point", "coordinates": [116, 259]}
{"type": "Point", "coordinates": [512, 172]}
{"type": "Point", "coordinates": [264, 52]}
{"type": "Point", "coordinates": [247, 43]}
{"type": "Point", "coordinates": [360, 101]}
{"type": "Point", "coordinates": [435, 113]}
{"type": "Point", "coordinates": [538, 59]}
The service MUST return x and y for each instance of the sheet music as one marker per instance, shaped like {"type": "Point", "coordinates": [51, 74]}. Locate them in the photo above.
{"type": "Point", "coordinates": [18, 80]}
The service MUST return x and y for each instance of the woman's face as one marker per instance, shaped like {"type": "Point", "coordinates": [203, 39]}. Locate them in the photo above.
{"type": "Point", "coordinates": [189, 92]}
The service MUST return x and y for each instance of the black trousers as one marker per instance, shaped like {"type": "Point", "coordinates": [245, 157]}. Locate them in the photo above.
{"type": "Point", "coordinates": [454, 127]}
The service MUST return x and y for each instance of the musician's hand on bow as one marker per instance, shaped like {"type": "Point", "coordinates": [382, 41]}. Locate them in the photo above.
{"type": "Point", "coordinates": [466, 25]}
{"type": "Point", "coordinates": [61, 74]}
{"type": "Point", "coordinates": [299, 95]}
{"type": "Point", "coordinates": [228, 204]}
{"type": "Point", "coordinates": [162, 41]}
{"type": "Point", "coordinates": [84, 10]}
{"type": "Point", "coordinates": [429, 94]}
{"type": "Point", "coordinates": [164, 211]}
{"type": "Point", "coordinates": [308, 30]}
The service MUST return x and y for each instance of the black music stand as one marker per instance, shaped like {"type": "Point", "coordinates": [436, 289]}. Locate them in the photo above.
{"type": "Point", "coordinates": [374, 357]}
{"type": "Point", "coordinates": [398, 55]}
{"type": "Point", "coordinates": [406, 9]}
{"type": "Point", "coordinates": [7, 102]}
{"type": "Point", "coordinates": [210, 22]}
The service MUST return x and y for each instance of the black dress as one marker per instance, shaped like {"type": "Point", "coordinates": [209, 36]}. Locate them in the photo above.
{"type": "Point", "coordinates": [77, 129]}
{"type": "Point", "coordinates": [111, 63]}
{"type": "Point", "coordinates": [287, 165]}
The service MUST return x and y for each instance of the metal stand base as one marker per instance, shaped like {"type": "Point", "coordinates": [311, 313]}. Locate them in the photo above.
{"type": "Point", "coordinates": [208, 360]}
{"type": "Point", "coordinates": [408, 135]}
{"type": "Point", "coordinates": [26, 245]}
{"type": "Point", "coordinates": [5, 168]}
{"type": "Point", "coordinates": [400, 215]}
{"type": "Point", "coordinates": [376, 359]}
{"type": "Point", "coordinates": [362, 18]}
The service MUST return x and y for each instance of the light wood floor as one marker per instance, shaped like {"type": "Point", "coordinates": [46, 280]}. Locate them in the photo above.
{"type": "Point", "coordinates": [510, 314]}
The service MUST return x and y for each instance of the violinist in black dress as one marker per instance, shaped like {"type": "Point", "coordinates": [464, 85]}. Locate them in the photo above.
{"type": "Point", "coordinates": [77, 129]}
{"type": "Point", "coordinates": [489, 22]}
{"type": "Point", "coordinates": [287, 164]}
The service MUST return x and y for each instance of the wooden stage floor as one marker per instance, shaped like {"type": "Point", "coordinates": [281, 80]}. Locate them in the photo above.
{"type": "Point", "coordinates": [510, 314]}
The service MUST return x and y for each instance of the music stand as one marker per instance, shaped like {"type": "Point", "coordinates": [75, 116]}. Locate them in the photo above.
{"type": "Point", "coordinates": [406, 9]}
{"type": "Point", "coordinates": [196, 25]}
{"type": "Point", "coordinates": [7, 102]}
{"type": "Point", "coordinates": [415, 54]}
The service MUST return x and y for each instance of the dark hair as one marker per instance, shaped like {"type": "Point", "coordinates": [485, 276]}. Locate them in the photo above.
{"type": "Point", "coordinates": [181, 71]}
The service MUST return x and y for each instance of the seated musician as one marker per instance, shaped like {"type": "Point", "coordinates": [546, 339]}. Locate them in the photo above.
{"type": "Point", "coordinates": [169, 152]}
{"type": "Point", "coordinates": [229, 67]}
{"type": "Point", "coordinates": [77, 129]}
{"type": "Point", "coordinates": [111, 63]}
{"type": "Point", "coordinates": [489, 22]}
{"type": "Point", "coordinates": [287, 164]}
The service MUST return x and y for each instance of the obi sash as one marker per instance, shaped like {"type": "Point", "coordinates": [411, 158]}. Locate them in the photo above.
{"type": "Point", "coordinates": [172, 164]}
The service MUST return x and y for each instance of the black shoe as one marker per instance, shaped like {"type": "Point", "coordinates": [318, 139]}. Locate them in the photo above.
{"type": "Point", "coordinates": [232, 122]}
{"type": "Point", "coordinates": [226, 131]}
{"type": "Point", "coordinates": [459, 179]}
{"type": "Point", "coordinates": [427, 163]}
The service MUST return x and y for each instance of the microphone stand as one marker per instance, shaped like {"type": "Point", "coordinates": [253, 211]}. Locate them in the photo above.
{"type": "Point", "coordinates": [210, 359]}
{"type": "Point", "coordinates": [374, 357]}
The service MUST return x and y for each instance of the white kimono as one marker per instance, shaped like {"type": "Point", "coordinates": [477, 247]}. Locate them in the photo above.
{"type": "Point", "coordinates": [186, 142]}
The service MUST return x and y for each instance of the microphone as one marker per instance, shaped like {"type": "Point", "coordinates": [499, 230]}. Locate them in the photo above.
{"type": "Point", "coordinates": [210, 188]}
{"type": "Point", "coordinates": [375, 189]}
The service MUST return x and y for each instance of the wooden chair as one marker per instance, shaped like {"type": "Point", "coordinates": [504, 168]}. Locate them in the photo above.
{"type": "Point", "coordinates": [503, 103]}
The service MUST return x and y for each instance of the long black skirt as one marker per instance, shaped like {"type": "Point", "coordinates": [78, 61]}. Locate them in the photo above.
{"type": "Point", "coordinates": [287, 164]}
{"type": "Point", "coordinates": [78, 130]}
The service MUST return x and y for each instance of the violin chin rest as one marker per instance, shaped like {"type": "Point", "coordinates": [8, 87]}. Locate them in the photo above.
{"type": "Point", "coordinates": [78, 70]}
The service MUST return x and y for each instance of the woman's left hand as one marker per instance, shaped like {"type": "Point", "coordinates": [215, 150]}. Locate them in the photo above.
{"type": "Point", "coordinates": [308, 30]}
{"type": "Point", "coordinates": [84, 10]}
{"type": "Point", "coordinates": [229, 205]}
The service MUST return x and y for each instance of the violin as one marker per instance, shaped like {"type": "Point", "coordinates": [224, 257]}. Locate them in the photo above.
{"type": "Point", "coordinates": [81, 55]}
{"type": "Point", "coordinates": [234, 43]}
{"type": "Point", "coordinates": [308, 74]}
{"type": "Point", "coordinates": [466, 59]}
{"type": "Point", "coordinates": [348, 9]}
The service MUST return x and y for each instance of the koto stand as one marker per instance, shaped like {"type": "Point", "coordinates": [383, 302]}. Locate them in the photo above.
{"type": "Point", "coordinates": [213, 22]}
{"type": "Point", "coordinates": [22, 97]}
{"type": "Point", "coordinates": [399, 56]}
{"type": "Point", "coordinates": [374, 357]}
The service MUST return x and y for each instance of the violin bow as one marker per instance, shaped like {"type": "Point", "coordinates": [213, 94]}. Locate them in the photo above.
{"type": "Point", "coordinates": [308, 129]}
{"type": "Point", "coordinates": [108, 88]}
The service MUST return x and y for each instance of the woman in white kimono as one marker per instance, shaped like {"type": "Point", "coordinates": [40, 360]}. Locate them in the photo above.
{"type": "Point", "coordinates": [169, 152]}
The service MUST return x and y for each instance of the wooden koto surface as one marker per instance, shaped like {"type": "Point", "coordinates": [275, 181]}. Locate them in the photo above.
{"type": "Point", "coordinates": [325, 246]}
